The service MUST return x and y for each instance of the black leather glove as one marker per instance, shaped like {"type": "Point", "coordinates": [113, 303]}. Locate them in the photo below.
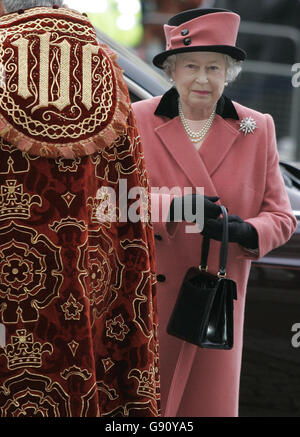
{"type": "Point", "coordinates": [178, 205]}
{"type": "Point", "coordinates": [239, 231]}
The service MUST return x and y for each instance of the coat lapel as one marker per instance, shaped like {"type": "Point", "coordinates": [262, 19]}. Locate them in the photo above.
{"type": "Point", "coordinates": [198, 167]}
{"type": "Point", "coordinates": [218, 143]}
{"type": "Point", "coordinates": [185, 155]}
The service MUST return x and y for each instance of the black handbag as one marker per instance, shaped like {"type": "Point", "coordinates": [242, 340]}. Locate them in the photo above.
{"type": "Point", "coordinates": [203, 313]}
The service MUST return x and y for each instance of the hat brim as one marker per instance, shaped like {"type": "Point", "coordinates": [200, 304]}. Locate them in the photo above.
{"type": "Point", "coordinates": [234, 52]}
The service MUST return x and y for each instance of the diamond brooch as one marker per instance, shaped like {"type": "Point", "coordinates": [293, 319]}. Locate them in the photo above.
{"type": "Point", "coordinates": [248, 125]}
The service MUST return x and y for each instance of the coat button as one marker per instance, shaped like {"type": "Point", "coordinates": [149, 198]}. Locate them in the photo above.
{"type": "Point", "coordinates": [185, 32]}
{"type": "Point", "coordinates": [161, 278]}
{"type": "Point", "coordinates": [158, 237]}
{"type": "Point", "coordinates": [187, 41]}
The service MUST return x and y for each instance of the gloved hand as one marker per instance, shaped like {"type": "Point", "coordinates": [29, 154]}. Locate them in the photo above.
{"type": "Point", "coordinates": [238, 231]}
{"type": "Point", "coordinates": [189, 202]}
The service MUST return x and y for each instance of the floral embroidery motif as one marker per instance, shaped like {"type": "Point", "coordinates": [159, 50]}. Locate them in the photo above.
{"type": "Point", "coordinates": [117, 328]}
{"type": "Point", "coordinates": [72, 309]}
{"type": "Point", "coordinates": [25, 285]}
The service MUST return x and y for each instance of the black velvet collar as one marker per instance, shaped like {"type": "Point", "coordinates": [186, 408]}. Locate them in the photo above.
{"type": "Point", "coordinates": [168, 106]}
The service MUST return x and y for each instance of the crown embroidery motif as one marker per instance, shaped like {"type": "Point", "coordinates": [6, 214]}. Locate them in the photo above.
{"type": "Point", "coordinates": [23, 352]}
{"type": "Point", "coordinates": [146, 381]}
{"type": "Point", "coordinates": [14, 203]}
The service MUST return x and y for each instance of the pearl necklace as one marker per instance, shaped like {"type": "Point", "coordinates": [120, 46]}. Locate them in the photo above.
{"type": "Point", "coordinates": [197, 136]}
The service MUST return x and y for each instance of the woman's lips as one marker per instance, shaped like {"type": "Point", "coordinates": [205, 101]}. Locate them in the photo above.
{"type": "Point", "coordinates": [202, 93]}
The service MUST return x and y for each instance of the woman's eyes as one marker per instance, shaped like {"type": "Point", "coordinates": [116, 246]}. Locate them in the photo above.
{"type": "Point", "coordinates": [214, 67]}
{"type": "Point", "coordinates": [194, 67]}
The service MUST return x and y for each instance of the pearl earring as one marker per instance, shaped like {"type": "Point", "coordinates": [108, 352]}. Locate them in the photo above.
{"type": "Point", "coordinates": [226, 84]}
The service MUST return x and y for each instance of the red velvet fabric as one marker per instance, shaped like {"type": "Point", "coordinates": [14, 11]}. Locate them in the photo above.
{"type": "Point", "coordinates": [77, 295]}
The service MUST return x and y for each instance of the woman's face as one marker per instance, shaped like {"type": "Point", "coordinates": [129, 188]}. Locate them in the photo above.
{"type": "Point", "coordinates": [200, 80]}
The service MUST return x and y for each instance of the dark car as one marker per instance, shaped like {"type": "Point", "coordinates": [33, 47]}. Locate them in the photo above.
{"type": "Point", "coordinates": [271, 358]}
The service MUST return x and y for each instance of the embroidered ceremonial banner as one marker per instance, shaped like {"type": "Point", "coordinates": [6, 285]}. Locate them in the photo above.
{"type": "Point", "coordinates": [78, 310]}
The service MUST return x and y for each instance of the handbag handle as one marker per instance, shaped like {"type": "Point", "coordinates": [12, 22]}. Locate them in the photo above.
{"type": "Point", "coordinates": [224, 247]}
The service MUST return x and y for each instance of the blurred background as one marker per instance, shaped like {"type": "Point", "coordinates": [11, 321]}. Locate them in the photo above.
{"type": "Point", "coordinates": [270, 33]}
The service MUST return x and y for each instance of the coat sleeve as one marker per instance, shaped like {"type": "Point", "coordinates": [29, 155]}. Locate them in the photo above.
{"type": "Point", "coordinates": [275, 223]}
{"type": "Point", "coordinates": [160, 200]}
{"type": "Point", "coordinates": [160, 206]}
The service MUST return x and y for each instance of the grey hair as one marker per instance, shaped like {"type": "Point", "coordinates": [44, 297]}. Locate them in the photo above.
{"type": "Point", "coordinates": [16, 5]}
{"type": "Point", "coordinates": [233, 67]}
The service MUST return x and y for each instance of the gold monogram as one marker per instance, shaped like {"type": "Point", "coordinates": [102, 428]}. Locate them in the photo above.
{"type": "Point", "coordinates": [24, 46]}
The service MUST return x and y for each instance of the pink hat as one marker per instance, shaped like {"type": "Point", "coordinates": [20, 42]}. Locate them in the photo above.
{"type": "Point", "coordinates": [213, 30]}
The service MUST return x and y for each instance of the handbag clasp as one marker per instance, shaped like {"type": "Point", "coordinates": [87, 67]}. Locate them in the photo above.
{"type": "Point", "coordinates": [221, 275]}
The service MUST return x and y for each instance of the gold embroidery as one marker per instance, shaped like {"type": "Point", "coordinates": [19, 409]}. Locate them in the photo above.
{"type": "Point", "coordinates": [107, 364]}
{"type": "Point", "coordinates": [146, 381]}
{"type": "Point", "coordinates": [136, 250]}
{"type": "Point", "coordinates": [22, 45]}
{"type": "Point", "coordinates": [110, 392]}
{"type": "Point", "coordinates": [88, 50]}
{"type": "Point", "coordinates": [24, 353]}
{"type": "Point", "coordinates": [65, 48]}
{"type": "Point", "coordinates": [68, 221]}
{"type": "Point", "coordinates": [93, 204]}
{"type": "Point", "coordinates": [85, 400]}
{"type": "Point", "coordinates": [120, 155]}
{"type": "Point", "coordinates": [14, 204]}
{"type": "Point", "coordinates": [125, 410]}
{"type": "Point", "coordinates": [74, 370]}
{"type": "Point", "coordinates": [100, 271]}
{"type": "Point", "coordinates": [68, 198]}
{"type": "Point", "coordinates": [11, 162]}
{"type": "Point", "coordinates": [48, 130]}
{"type": "Point", "coordinates": [74, 130]}
{"type": "Point", "coordinates": [73, 346]}
{"type": "Point", "coordinates": [116, 328]}
{"type": "Point", "coordinates": [25, 283]}
{"type": "Point", "coordinates": [72, 309]}
{"type": "Point", "coordinates": [27, 392]}
{"type": "Point", "coordinates": [69, 165]}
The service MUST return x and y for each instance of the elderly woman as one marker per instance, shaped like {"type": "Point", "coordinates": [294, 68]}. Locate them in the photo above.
{"type": "Point", "coordinates": [194, 136]}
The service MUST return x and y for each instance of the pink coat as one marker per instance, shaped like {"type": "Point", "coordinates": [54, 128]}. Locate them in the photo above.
{"type": "Point", "coordinates": [242, 170]}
